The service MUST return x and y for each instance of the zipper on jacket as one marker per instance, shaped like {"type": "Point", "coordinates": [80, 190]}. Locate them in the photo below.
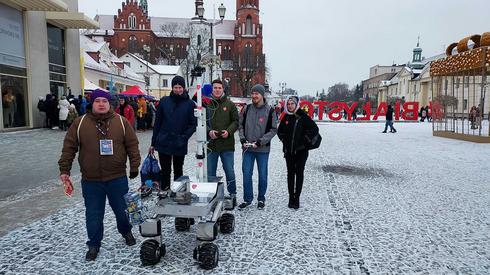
{"type": "Point", "coordinates": [294, 133]}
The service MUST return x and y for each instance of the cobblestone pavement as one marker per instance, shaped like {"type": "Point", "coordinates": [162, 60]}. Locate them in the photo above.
{"type": "Point", "coordinates": [372, 203]}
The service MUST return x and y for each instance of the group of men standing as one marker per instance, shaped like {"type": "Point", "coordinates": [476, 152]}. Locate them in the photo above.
{"type": "Point", "coordinates": [104, 141]}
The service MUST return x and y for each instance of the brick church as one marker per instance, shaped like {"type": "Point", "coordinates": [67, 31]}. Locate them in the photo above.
{"type": "Point", "coordinates": [238, 42]}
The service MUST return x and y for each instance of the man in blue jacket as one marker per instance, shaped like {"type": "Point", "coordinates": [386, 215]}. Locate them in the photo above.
{"type": "Point", "coordinates": [174, 125]}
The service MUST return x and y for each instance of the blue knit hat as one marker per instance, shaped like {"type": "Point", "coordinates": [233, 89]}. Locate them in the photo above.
{"type": "Point", "coordinates": [99, 93]}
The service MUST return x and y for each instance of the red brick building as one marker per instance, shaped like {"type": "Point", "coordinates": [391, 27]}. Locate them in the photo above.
{"type": "Point", "coordinates": [238, 42]}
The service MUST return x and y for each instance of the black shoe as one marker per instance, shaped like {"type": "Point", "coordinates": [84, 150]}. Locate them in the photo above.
{"type": "Point", "coordinates": [243, 205]}
{"type": "Point", "coordinates": [91, 253]}
{"type": "Point", "coordinates": [383, 132]}
{"type": "Point", "coordinates": [130, 241]}
{"type": "Point", "coordinates": [291, 202]}
{"type": "Point", "coordinates": [260, 205]}
{"type": "Point", "coordinates": [394, 131]}
{"type": "Point", "coordinates": [233, 196]}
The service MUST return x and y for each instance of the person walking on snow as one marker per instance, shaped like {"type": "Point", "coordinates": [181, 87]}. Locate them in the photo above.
{"type": "Point", "coordinates": [104, 141]}
{"type": "Point", "coordinates": [389, 120]}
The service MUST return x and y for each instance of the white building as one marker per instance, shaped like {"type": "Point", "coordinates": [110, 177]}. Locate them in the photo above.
{"type": "Point", "coordinates": [160, 76]}
{"type": "Point", "coordinates": [101, 67]}
{"type": "Point", "coordinates": [39, 54]}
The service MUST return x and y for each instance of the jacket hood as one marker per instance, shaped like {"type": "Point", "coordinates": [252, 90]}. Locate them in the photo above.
{"type": "Point", "coordinates": [295, 99]}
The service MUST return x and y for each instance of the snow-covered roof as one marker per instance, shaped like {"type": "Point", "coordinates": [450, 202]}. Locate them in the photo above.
{"type": "Point", "coordinates": [159, 69]}
{"type": "Point", "coordinates": [166, 69]}
{"type": "Point", "coordinates": [226, 30]}
{"type": "Point", "coordinates": [90, 45]}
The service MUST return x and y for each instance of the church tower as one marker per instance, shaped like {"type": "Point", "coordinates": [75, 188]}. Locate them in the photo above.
{"type": "Point", "coordinates": [248, 39]}
{"type": "Point", "coordinates": [417, 57]}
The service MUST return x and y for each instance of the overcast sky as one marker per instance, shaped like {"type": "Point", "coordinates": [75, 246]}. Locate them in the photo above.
{"type": "Point", "coordinates": [314, 44]}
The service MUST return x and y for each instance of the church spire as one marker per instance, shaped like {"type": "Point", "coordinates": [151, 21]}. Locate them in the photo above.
{"type": "Point", "coordinates": [144, 6]}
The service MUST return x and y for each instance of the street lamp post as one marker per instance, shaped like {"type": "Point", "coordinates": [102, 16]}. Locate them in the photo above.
{"type": "Point", "coordinates": [147, 50]}
{"type": "Point", "coordinates": [200, 13]}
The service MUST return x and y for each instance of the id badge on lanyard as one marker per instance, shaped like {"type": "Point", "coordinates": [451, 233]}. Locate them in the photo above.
{"type": "Point", "coordinates": [106, 146]}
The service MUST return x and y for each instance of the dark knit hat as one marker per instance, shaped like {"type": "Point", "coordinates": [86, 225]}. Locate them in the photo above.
{"type": "Point", "coordinates": [259, 89]}
{"type": "Point", "coordinates": [178, 80]}
{"type": "Point", "coordinates": [99, 93]}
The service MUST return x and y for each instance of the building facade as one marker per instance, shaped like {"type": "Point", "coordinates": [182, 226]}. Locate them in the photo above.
{"type": "Point", "coordinates": [159, 76]}
{"type": "Point", "coordinates": [39, 55]}
{"type": "Point", "coordinates": [238, 43]}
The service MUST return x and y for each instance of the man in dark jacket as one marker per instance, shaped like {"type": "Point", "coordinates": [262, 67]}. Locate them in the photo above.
{"type": "Point", "coordinates": [104, 141]}
{"type": "Point", "coordinates": [258, 125]}
{"type": "Point", "coordinates": [389, 120]}
{"type": "Point", "coordinates": [222, 117]}
{"type": "Point", "coordinates": [174, 125]}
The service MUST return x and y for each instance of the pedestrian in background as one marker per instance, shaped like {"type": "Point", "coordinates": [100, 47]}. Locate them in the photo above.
{"type": "Point", "coordinates": [258, 125]}
{"type": "Point", "coordinates": [389, 120]}
{"type": "Point", "coordinates": [175, 123]}
{"type": "Point", "coordinates": [125, 110]}
{"type": "Point", "coordinates": [63, 105]}
{"type": "Point", "coordinates": [104, 141]}
{"type": "Point", "coordinates": [293, 131]}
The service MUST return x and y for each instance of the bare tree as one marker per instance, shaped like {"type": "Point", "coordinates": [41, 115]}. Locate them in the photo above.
{"type": "Point", "coordinates": [338, 92]}
{"type": "Point", "coordinates": [246, 66]}
{"type": "Point", "coordinates": [190, 56]}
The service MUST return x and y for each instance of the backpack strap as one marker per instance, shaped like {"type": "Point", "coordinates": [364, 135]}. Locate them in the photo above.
{"type": "Point", "coordinates": [78, 128]}
{"type": "Point", "coordinates": [122, 124]}
{"type": "Point", "coordinates": [81, 120]}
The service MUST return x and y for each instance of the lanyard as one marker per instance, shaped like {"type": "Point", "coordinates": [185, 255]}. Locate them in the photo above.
{"type": "Point", "coordinates": [98, 126]}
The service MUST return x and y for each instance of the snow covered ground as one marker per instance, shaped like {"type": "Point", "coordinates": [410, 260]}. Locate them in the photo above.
{"type": "Point", "coordinates": [372, 203]}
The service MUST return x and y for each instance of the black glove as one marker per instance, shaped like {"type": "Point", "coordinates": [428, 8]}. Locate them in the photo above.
{"type": "Point", "coordinates": [243, 141]}
{"type": "Point", "coordinates": [133, 175]}
{"type": "Point", "coordinates": [258, 143]}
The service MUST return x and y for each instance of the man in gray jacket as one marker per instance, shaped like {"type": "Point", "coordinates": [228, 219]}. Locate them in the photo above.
{"type": "Point", "coordinates": [258, 125]}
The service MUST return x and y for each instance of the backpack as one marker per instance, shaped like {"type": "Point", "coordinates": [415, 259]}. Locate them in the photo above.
{"type": "Point", "coordinates": [314, 142]}
{"type": "Point", "coordinates": [41, 106]}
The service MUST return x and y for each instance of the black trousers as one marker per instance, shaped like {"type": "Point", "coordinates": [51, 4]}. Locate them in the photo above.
{"type": "Point", "coordinates": [166, 169]}
{"type": "Point", "coordinates": [296, 167]}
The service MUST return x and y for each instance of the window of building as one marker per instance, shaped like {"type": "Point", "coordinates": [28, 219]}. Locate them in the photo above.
{"type": "Point", "coordinates": [248, 56]}
{"type": "Point", "coordinates": [165, 83]}
{"type": "Point", "coordinates": [132, 44]}
{"type": "Point", "coordinates": [132, 21]}
{"type": "Point", "coordinates": [199, 40]}
{"type": "Point", "coordinates": [248, 25]}
{"type": "Point", "coordinates": [13, 72]}
{"type": "Point", "coordinates": [57, 65]}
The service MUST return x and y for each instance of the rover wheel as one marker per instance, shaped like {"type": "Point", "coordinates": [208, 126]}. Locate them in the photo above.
{"type": "Point", "coordinates": [208, 256]}
{"type": "Point", "coordinates": [183, 224]}
{"type": "Point", "coordinates": [227, 223]}
{"type": "Point", "coordinates": [151, 252]}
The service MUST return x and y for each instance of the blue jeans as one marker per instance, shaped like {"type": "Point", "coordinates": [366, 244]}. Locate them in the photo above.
{"type": "Point", "coordinates": [94, 194]}
{"type": "Point", "coordinates": [227, 159]}
{"type": "Point", "coordinates": [390, 124]}
{"type": "Point", "coordinates": [248, 169]}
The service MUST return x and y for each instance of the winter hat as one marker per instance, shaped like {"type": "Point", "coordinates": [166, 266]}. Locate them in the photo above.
{"type": "Point", "coordinates": [99, 93]}
{"type": "Point", "coordinates": [295, 99]}
{"type": "Point", "coordinates": [259, 89]}
{"type": "Point", "coordinates": [178, 80]}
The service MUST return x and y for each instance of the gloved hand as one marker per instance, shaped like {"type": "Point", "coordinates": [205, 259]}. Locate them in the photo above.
{"type": "Point", "coordinates": [133, 175]}
{"type": "Point", "coordinates": [242, 141]}
{"type": "Point", "coordinates": [258, 143]}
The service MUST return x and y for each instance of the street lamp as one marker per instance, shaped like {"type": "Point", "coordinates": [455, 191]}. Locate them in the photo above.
{"type": "Point", "coordinates": [200, 14]}
{"type": "Point", "coordinates": [147, 50]}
